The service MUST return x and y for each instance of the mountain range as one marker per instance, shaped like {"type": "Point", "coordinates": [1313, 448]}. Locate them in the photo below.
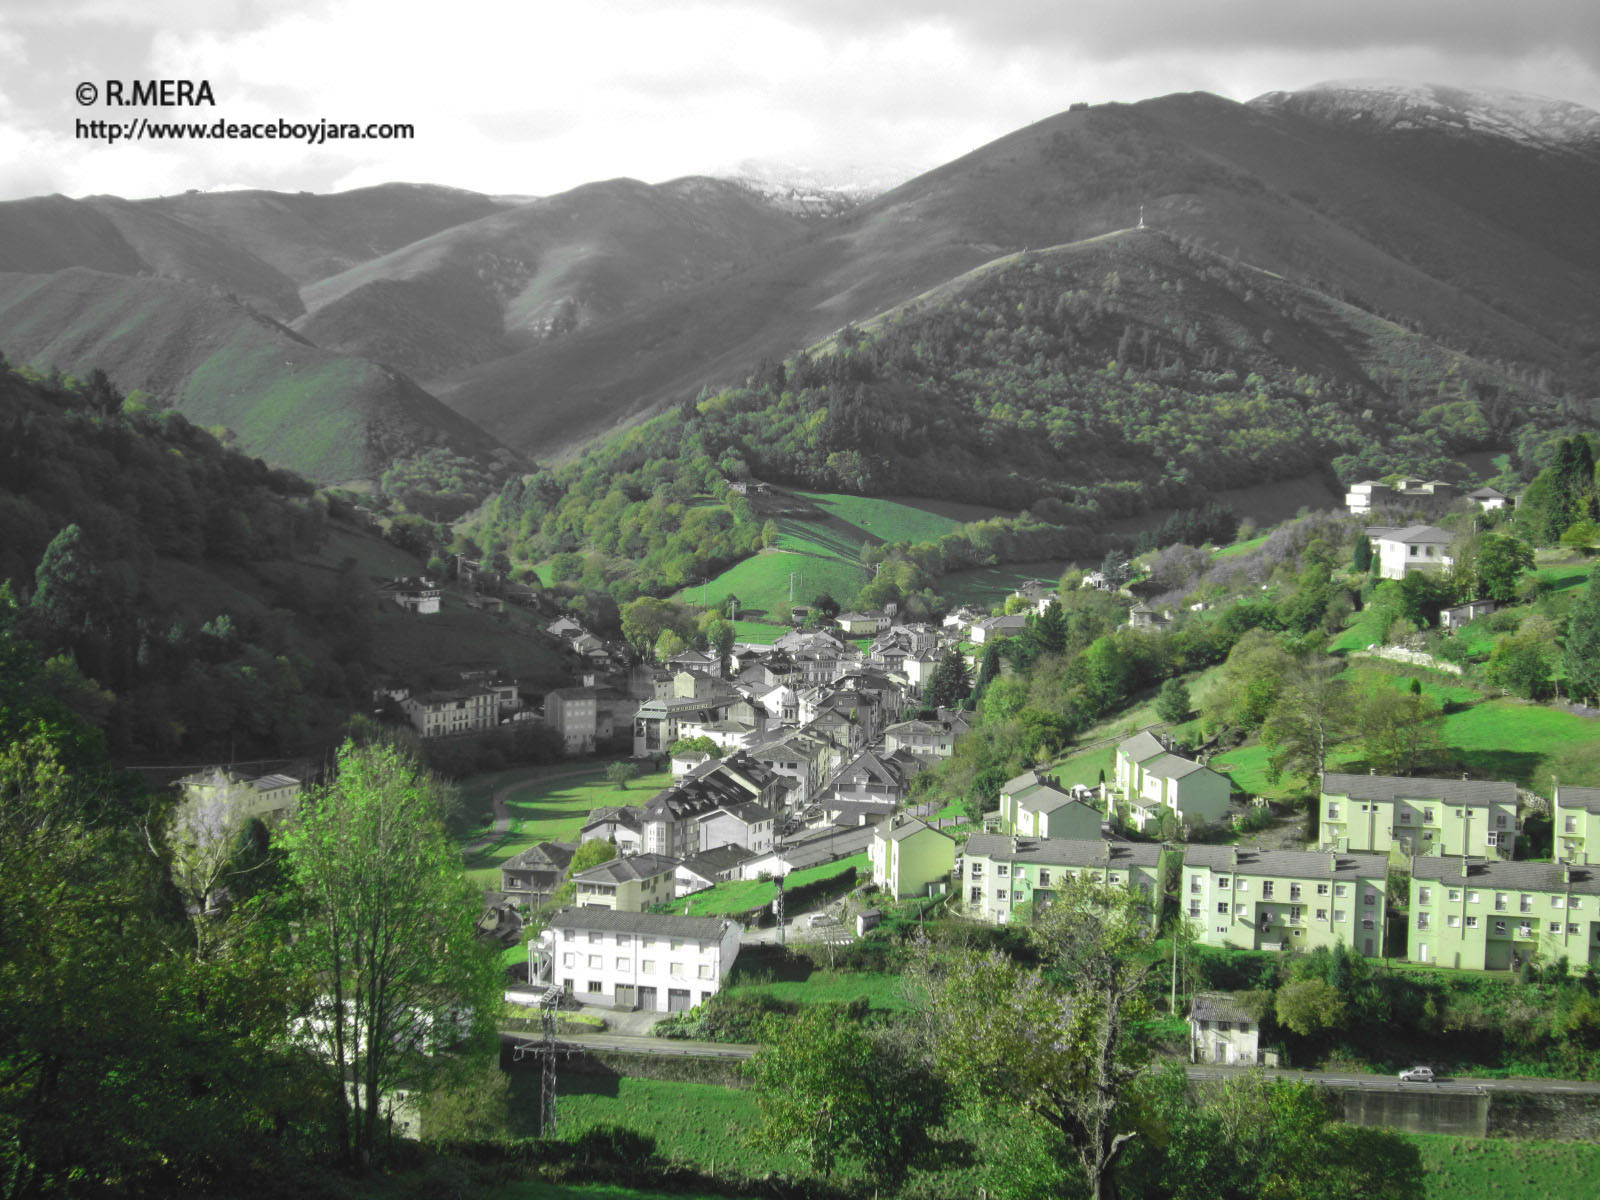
{"type": "Point", "coordinates": [336, 333]}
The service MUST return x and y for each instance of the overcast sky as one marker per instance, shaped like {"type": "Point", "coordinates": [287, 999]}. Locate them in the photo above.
{"type": "Point", "coordinates": [530, 97]}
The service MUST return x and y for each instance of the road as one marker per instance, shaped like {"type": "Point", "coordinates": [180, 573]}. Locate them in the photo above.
{"type": "Point", "coordinates": [674, 1048]}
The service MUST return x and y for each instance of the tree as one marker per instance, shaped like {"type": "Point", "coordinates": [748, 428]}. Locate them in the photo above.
{"type": "Point", "coordinates": [1310, 1006]}
{"type": "Point", "coordinates": [1361, 560]}
{"type": "Point", "coordinates": [387, 944]}
{"type": "Point", "coordinates": [1172, 702]}
{"type": "Point", "coordinates": [829, 1089]}
{"type": "Point", "coordinates": [620, 772]}
{"type": "Point", "coordinates": [699, 744]}
{"type": "Point", "coordinates": [1502, 561]}
{"type": "Point", "coordinates": [720, 637]}
{"type": "Point", "coordinates": [1065, 1041]}
{"type": "Point", "coordinates": [1524, 662]}
{"type": "Point", "coordinates": [1580, 657]}
{"type": "Point", "coordinates": [949, 684]}
{"type": "Point", "coordinates": [1248, 685]}
{"type": "Point", "coordinates": [1399, 729]}
{"type": "Point", "coordinates": [824, 605]}
{"type": "Point", "coordinates": [1258, 1137]}
{"type": "Point", "coordinates": [669, 645]}
{"type": "Point", "coordinates": [1314, 712]}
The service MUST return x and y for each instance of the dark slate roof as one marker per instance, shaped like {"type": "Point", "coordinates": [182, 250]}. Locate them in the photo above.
{"type": "Point", "coordinates": [627, 814]}
{"type": "Point", "coordinates": [1585, 798]}
{"type": "Point", "coordinates": [660, 925]}
{"type": "Point", "coordinates": [1413, 533]}
{"type": "Point", "coordinates": [1292, 864]}
{"type": "Point", "coordinates": [1218, 1006]}
{"type": "Point", "coordinates": [1400, 787]}
{"type": "Point", "coordinates": [546, 855]}
{"type": "Point", "coordinates": [1141, 746]}
{"type": "Point", "coordinates": [1521, 876]}
{"type": "Point", "coordinates": [1062, 852]}
{"type": "Point", "coordinates": [1173, 766]}
{"type": "Point", "coordinates": [910, 827]}
{"type": "Point", "coordinates": [718, 858]}
{"type": "Point", "coordinates": [629, 868]}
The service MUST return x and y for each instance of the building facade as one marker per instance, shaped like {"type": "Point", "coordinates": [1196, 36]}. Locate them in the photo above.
{"type": "Point", "coordinates": [1488, 915]}
{"type": "Point", "coordinates": [1419, 815]}
{"type": "Point", "coordinates": [631, 883]}
{"type": "Point", "coordinates": [1000, 873]}
{"type": "Point", "coordinates": [643, 961]}
{"type": "Point", "coordinates": [909, 857]}
{"type": "Point", "coordinates": [1577, 824]}
{"type": "Point", "coordinates": [1285, 899]}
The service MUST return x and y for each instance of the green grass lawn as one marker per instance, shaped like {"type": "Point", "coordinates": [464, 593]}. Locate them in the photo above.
{"type": "Point", "coordinates": [1364, 631]}
{"type": "Point", "coordinates": [700, 1123]}
{"type": "Point", "coordinates": [550, 805]}
{"type": "Point", "coordinates": [1507, 1168]}
{"type": "Point", "coordinates": [758, 632]}
{"type": "Point", "coordinates": [741, 895]}
{"type": "Point", "coordinates": [883, 991]}
{"type": "Point", "coordinates": [1243, 547]}
{"type": "Point", "coordinates": [987, 587]}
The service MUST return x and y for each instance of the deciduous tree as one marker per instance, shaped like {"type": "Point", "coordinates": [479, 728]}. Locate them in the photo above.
{"type": "Point", "coordinates": [387, 944]}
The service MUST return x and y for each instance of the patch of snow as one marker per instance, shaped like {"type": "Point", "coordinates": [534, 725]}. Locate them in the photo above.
{"type": "Point", "coordinates": [812, 191]}
{"type": "Point", "coordinates": [1397, 104]}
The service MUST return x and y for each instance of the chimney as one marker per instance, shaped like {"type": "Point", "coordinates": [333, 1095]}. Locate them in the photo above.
{"type": "Point", "coordinates": [1464, 866]}
{"type": "Point", "coordinates": [1234, 855]}
{"type": "Point", "coordinates": [1333, 862]}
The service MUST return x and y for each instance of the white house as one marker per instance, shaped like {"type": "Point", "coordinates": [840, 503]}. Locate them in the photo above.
{"type": "Point", "coordinates": [1413, 548]}
{"type": "Point", "coordinates": [1223, 1031]}
{"type": "Point", "coordinates": [646, 961]}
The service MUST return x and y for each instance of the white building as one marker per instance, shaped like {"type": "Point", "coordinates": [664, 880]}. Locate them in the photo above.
{"type": "Point", "coordinates": [1413, 548]}
{"type": "Point", "coordinates": [460, 710]}
{"type": "Point", "coordinates": [644, 961]}
{"type": "Point", "coordinates": [571, 712]}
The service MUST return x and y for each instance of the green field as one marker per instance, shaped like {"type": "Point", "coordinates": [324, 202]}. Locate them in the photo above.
{"type": "Point", "coordinates": [1507, 1169]}
{"type": "Point", "coordinates": [742, 895]}
{"type": "Point", "coordinates": [700, 1123]}
{"type": "Point", "coordinates": [882, 991]}
{"type": "Point", "coordinates": [986, 587]}
{"type": "Point", "coordinates": [823, 552]}
{"type": "Point", "coordinates": [1243, 547]}
{"type": "Point", "coordinates": [549, 805]}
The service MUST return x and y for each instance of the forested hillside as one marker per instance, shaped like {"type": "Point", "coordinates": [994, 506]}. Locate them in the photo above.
{"type": "Point", "coordinates": [1084, 383]}
{"type": "Point", "coordinates": [131, 537]}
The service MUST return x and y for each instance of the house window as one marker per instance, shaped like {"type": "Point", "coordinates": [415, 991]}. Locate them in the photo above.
{"type": "Point", "coordinates": [1424, 895]}
{"type": "Point", "coordinates": [1222, 929]}
{"type": "Point", "coordinates": [514, 882]}
{"type": "Point", "coordinates": [1002, 870]}
{"type": "Point", "coordinates": [1572, 825]}
{"type": "Point", "coordinates": [594, 938]}
{"type": "Point", "coordinates": [1491, 838]}
{"type": "Point", "coordinates": [569, 960]}
{"type": "Point", "coordinates": [594, 962]}
{"type": "Point", "coordinates": [1044, 876]}
{"type": "Point", "coordinates": [1017, 895]}
{"type": "Point", "coordinates": [1370, 899]}
{"type": "Point", "coordinates": [1241, 909]}
{"type": "Point", "coordinates": [1499, 902]}
{"type": "Point", "coordinates": [1333, 812]}
{"type": "Point", "coordinates": [1339, 914]}
{"type": "Point", "coordinates": [1575, 903]}
{"type": "Point", "coordinates": [1572, 928]}
{"type": "Point", "coordinates": [1223, 908]}
{"type": "Point", "coordinates": [1558, 901]}
{"type": "Point", "coordinates": [624, 964]}
{"type": "Point", "coordinates": [1000, 893]}
{"type": "Point", "coordinates": [594, 985]}
{"type": "Point", "coordinates": [1322, 889]}
{"type": "Point", "coordinates": [675, 968]}
{"type": "Point", "coordinates": [705, 971]}
{"type": "Point", "coordinates": [1455, 896]}
{"type": "Point", "coordinates": [1243, 885]}
{"type": "Point", "coordinates": [1472, 897]}
{"type": "Point", "coordinates": [1525, 904]}
{"type": "Point", "coordinates": [1222, 882]}
{"type": "Point", "coordinates": [647, 965]}
{"type": "Point", "coordinates": [1294, 912]}
{"type": "Point", "coordinates": [977, 895]}
{"type": "Point", "coordinates": [1194, 908]}
{"type": "Point", "coordinates": [624, 938]}
{"type": "Point", "coordinates": [1322, 914]}
{"type": "Point", "coordinates": [1405, 816]}
{"type": "Point", "coordinates": [1555, 926]}
{"type": "Point", "coordinates": [1427, 816]}
{"type": "Point", "coordinates": [1368, 923]}
{"type": "Point", "coordinates": [1266, 889]}
{"type": "Point", "coordinates": [1194, 883]}
{"type": "Point", "coordinates": [1472, 922]}
{"type": "Point", "coordinates": [1422, 921]}
{"type": "Point", "coordinates": [1524, 930]}
{"type": "Point", "coordinates": [1294, 891]}
{"type": "Point", "coordinates": [1223, 1026]}
{"type": "Point", "coordinates": [1500, 821]}
{"type": "Point", "coordinates": [1453, 921]}
{"type": "Point", "coordinates": [1341, 890]}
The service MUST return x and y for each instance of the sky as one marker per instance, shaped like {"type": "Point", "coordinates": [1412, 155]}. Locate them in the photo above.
{"type": "Point", "coordinates": [529, 97]}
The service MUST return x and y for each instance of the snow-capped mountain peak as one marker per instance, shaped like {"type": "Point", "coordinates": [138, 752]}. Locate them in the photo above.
{"type": "Point", "coordinates": [1399, 105]}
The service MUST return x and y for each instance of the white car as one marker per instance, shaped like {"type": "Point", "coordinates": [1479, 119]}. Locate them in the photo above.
{"type": "Point", "coordinates": [821, 918]}
{"type": "Point", "coordinates": [1417, 1075]}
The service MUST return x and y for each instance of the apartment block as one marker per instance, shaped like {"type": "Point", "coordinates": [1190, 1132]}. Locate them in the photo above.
{"type": "Point", "coordinates": [1576, 823]}
{"type": "Point", "coordinates": [641, 961]}
{"type": "Point", "coordinates": [1476, 817]}
{"type": "Point", "coordinates": [999, 873]}
{"type": "Point", "coordinates": [1284, 899]}
{"type": "Point", "coordinates": [1488, 915]}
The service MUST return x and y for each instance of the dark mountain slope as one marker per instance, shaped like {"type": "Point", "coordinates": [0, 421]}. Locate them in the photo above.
{"type": "Point", "coordinates": [219, 363]}
{"type": "Point", "coordinates": [482, 290]}
{"type": "Point", "coordinates": [1394, 231]}
{"type": "Point", "coordinates": [309, 237]}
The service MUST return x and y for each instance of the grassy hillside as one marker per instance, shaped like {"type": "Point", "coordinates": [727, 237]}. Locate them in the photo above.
{"type": "Point", "coordinates": [1303, 200]}
{"type": "Point", "coordinates": [324, 416]}
{"type": "Point", "coordinates": [481, 290]}
{"type": "Point", "coordinates": [822, 551]}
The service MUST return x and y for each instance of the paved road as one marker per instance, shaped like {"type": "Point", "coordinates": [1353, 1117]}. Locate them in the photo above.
{"type": "Point", "coordinates": [672, 1047]}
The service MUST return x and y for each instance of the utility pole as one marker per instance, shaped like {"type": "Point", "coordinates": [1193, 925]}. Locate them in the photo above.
{"type": "Point", "coordinates": [791, 587]}
{"type": "Point", "coordinates": [777, 906]}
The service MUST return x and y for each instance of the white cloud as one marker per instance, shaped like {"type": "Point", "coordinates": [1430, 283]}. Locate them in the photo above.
{"type": "Point", "coordinates": [512, 96]}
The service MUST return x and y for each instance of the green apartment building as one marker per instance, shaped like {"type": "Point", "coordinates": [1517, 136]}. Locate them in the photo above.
{"type": "Point", "coordinates": [1035, 805]}
{"type": "Point", "coordinates": [1488, 915]}
{"type": "Point", "coordinates": [1284, 899]}
{"type": "Point", "coordinates": [910, 857]}
{"type": "Point", "coordinates": [1476, 817]}
{"type": "Point", "coordinates": [999, 872]}
{"type": "Point", "coordinates": [631, 883]}
{"type": "Point", "coordinates": [1577, 824]}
